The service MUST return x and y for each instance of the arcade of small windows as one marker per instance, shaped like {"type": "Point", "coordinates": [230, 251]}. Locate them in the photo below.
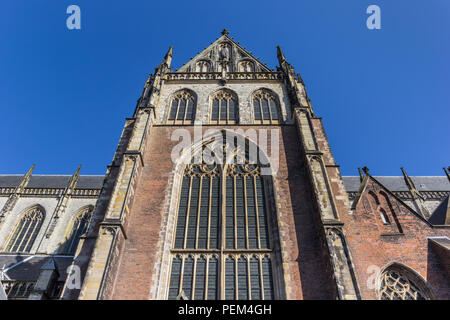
{"type": "Point", "coordinates": [265, 109]}
{"type": "Point", "coordinates": [224, 108]}
{"type": "Point", "coordinates": [398, 284]}
{"type": "Point", "coordinates": [182, 110]}
{"type": "Point", "coordinates": [78, 229]}
{"type": "Point", "coordinates": [222, 245]}
{"type": "Point", "coordinates": [26, 231]}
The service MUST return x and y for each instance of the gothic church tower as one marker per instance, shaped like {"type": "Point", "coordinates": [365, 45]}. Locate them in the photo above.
{"type": "Point", "coordinates": [176, 229]}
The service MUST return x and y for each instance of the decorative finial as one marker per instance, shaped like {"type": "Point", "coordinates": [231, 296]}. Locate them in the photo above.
{"type": "Point", "coordinates": [225, 32]}
{"type": "Point", "coordinates": [361, 174]}
{"type": "Point", "coordinates": [366, 170]}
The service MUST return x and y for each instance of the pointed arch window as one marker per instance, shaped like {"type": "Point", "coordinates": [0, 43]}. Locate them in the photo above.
{"type": "Point", "coordinates": [246, 66]}
{"type": "Point", "coordinates": [384, 217]}
{"type": "Point", "coordinates": [399, 283]}
{"type": "Point", "coordinates": [224, 109]}
{"type": "Point", "coordinates": [222, 246]}
{"type": "Point", "coordinates": [182, 109]}
{"type": "Point", "coordinates": [265, 107]}
{"type": "Point", "coordinates": [202, 66]}
{"type": "Point", "coordinates": [79, 228]}
{"type": "Point", "coordinates": [26, 231]}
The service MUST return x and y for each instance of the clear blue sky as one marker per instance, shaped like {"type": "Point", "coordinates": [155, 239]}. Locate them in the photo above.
{"type": "Point", "coordinates": [384, 95]}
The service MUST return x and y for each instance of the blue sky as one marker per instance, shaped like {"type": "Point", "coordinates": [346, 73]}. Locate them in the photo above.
{"type": "Point", "coordinates": [384, 95]}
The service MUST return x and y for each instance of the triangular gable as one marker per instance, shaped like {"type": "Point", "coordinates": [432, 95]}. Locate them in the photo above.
{"type": "Point", "coordinates": [224, 52]}
{"type": "Point", "coordinates": [441, 215]}
{"type": "Point", "coordinates": [368, 179]}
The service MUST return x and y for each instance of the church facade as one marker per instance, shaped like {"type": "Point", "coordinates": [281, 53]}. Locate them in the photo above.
{"type": "Point", "coordinates": [223, 186]}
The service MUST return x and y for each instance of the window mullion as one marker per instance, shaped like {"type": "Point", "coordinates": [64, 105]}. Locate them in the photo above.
{"type": "Point", "coordinates": [208, 237]}
{"type": "Point", "coordinates": [244, 185]}
{"type": "Point", "coordinates": [249, 276]}
{"type": "Point", "coordinates": [199, 206]}
{"type": "Point", "coordinates": [257, 212]}
{"type": "Point", "coordinates": [205, 296]}
{"type": "Point", "coordinates": [181, 275]}
{"type": "Point", "coordinates": [236, 278]}
{"type": "Point", "coordinates": [194, 277]}
{"type": "Point", "coordinates": [270, 111]}
{"type": "Point", "coordinates": [261, 277]}
{"type": "Point", "coordinates": [187, 212]}
{"type": "Point", "coordinates": [176, 113]}
{"type": "Point", "coordinates": [261, 109]}
{"type": "Point", "coordinates": [235, 212]}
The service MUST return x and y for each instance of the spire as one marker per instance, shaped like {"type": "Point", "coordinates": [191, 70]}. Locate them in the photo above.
{"type": "Point", "coordinates": [280, 55]}
{"type": "Point", "coordinates": [409, 182]}
{"type": "Point", "coordinates": [74, 179]}
{"type": "Point", "coordinates": [26, 177]}
{"type": "Point", "coordinates": [417, 198]}
{"type": "Point", "coordinates": [168, 56]}
{"type": "Point", "coordinates": [361, 174]}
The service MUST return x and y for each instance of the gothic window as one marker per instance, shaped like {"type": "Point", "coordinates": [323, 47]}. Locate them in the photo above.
{"type": "Point", "coordinates": [246, 66]}
{"type": "Point", "coordinates": [265, 107]}
{"type": "Point", "coordinates": [18, 290]}
{"type": "Point", "coordinates": [79, 227]}
{"type": "Point", "coordinates": [224, 109]}
{"type": "Point", "coordinates": [182, 109]}
{"type": "Point", "coordinates": [26, 231]}
{"type": "Point", "coordinates": [202, 66]}
{"type": "Point", "coordinates": [384, 217]}
{"type": "Point", "coordinates": [397, 283]}
{"type": "Point", "coordinates": [222, 247]}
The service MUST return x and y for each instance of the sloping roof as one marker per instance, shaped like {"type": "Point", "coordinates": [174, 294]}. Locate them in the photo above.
{"type": "Point", "coordinates": [213, 48]}
{"type": "Point", "coordinates": [10, 180]}
{"type": "Point", "coordinates": [441, 215]}
{"type": "Point", "coordinates": [53, 181]}
{"type": "Point", "coordinates": [397, 183]}
{"type": "Point", "coordinates": [30, 269]}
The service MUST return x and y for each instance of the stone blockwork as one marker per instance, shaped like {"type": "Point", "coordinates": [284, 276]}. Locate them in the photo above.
{"type": "Point", "coordinates": [205, 89]}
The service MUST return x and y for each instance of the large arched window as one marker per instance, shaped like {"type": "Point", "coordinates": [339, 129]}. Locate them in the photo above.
{"type": "Point", "coordinates": [224, 109]}
{"type": "Point", "coordinates": [265, 107]}
{"type": "Point", "coordinates": [182, 110]}
{"type": "Point", "coordinates": [222, 246]}
{"type": "Point", "coordinates": [79, 227]}
{"type": "Point", "coordinates": [400, 283]}
{"type": "Point", "coordinates": [26, 230]}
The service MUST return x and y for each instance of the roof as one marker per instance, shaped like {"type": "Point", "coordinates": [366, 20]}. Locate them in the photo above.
{"type": "Point", "coordinates": [53, 181]}
{"type": "Point", "coordinates": [211, 53]}
{"type": "Point", "coordinates": [398, 183]}
{"type": "Point", "coordinates": [30, 266]}
{"type": "Point", "coordinates": [441, 215]}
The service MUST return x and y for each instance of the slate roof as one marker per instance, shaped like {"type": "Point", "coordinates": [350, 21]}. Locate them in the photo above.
{"type": "Point", "coordinates": [397, 183]}
{"type": "Point", "coordinates": [53, 181]}
{"type": "Point", "coordinates": [440, 214]}
{"type": "Point", "coordinates": [30, 269]}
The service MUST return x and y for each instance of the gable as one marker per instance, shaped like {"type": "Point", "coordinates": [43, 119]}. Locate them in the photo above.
{"type": "Point", "coordinates": [369, 186]}
{"type": "Point", "coordinates": [224, 54]}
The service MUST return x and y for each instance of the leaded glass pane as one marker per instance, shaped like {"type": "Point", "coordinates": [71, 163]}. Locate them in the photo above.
{"type": "Point", "coordinates": [174, 285]}
{"type": "Point", "coordinates": [230, 285]}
